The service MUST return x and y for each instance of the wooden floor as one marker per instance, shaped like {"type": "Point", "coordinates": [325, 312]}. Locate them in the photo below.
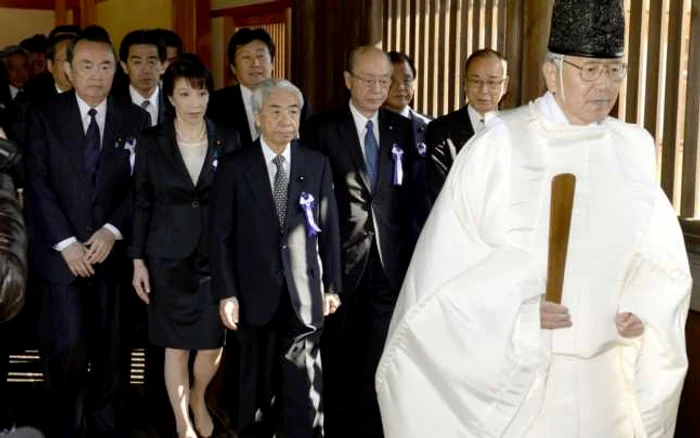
{"type": "Point", "coordinates": [25, 389]}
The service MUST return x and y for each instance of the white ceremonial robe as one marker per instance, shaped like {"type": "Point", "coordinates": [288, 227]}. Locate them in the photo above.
{"type": "Point", "coordinates": [465, 355]}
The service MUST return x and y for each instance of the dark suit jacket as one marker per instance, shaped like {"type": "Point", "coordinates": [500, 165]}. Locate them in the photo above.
{"type": "Point", "coordinates": [335, 135]}
{"type": "Point", "coordinates": [251, 259]}
{"type": "Point", "coordinates": [170, 213]}
{"type": "Point", "coordinates": [123, 97]}
{"type": "Point", "coordinates": [57, 193]}
{"type": "Point", "coordinates": [423, 203]}
{"type": "Point", "coordinates": [226, 109]}
{"type": "Point", "coordinates": [455, 127]}
{"type": "Point", "coordinates": [40, 87]}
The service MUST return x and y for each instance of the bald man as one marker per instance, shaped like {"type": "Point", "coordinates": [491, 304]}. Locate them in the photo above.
{"type": "Point", "coordinates": [371, 153]}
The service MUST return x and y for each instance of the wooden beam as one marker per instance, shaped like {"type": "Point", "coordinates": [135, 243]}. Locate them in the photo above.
{"type": "Point", "coordinates": [203, 31]}
{"type": "Point", "coordinates": [60, 15]}
{"type": "Point", "coordinates": [184, 23]}
{"type": "Point", "coordinates": [513, 52]}
{"type": "Point", "coordinates": [691, 142]}
{"type": "Point", "coordinates": [24, 4]}
{"type": "Point", "coordinates": [670, 136]}
{"type": "Point", "coordinates": [88, 13]}
{"type": "Point", "coordinates": [536, 34]}
{"type": "Point", "coordinates": [278, 6]}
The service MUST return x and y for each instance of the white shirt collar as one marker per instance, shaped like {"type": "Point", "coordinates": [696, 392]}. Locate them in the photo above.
{"type": "Point", "coordinates": [406, 112]}
{"type": "Point", "coordinates": [476, 118]}
{"type": "Point", "coordinates": [270, 154]}
{"type": "Point", "coordinates": [100, 117]}
{"type": "Point", "coordinates": [247, 96]}
{"type": "Point", "coordinates": [137, 99]}
{"type": "Point", "coordinates": [58, 89]}
{"type": "Point", "coordinates": [361, 120]}
{"type": "Point", "coordinates": [14, 91]}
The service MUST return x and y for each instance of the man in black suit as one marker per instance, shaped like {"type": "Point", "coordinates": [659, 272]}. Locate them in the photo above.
{"type": "Point", "coordinates": [251, 53]}
{"type": "Point", "coordinates": [275, 263]}
{"type": "Point", "coordinates": [486, 83]}
{"type": "Point", "coordinates": [173, 43]}
{"type": "Point", "coordinates": [18, 70]}
{"type": "Point", "coordinates": [78, 154]}
{"type": "Point", "coordinates": [55, 81]}
{"type": "Point", "coordinates": [403, 87]}
{"type": "Point", "coordinates": [371, 152]}
{"type": "Point", "coordinates": [143, 59]}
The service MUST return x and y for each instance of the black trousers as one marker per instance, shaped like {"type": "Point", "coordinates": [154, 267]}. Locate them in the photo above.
{"type": "Point", "coordinates": [352, 347]}
{"type": "Point", "coordinates": [280, 377]}
{"type": "Point", "coordinates": [80, 325]}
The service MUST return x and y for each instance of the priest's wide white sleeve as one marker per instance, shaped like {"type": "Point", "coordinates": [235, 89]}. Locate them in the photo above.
{"type": "Point", "coordinates": [464, 343]}
{"type": "Point", "coordinates": [657, 289]}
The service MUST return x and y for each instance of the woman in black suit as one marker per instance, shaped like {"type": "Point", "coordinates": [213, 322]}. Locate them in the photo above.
{"type": "Point", "coordinates": [175, 167]}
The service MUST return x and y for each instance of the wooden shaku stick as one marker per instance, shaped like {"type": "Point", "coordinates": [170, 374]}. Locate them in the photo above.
{"type": "Point", "coordinates": [563, 187]}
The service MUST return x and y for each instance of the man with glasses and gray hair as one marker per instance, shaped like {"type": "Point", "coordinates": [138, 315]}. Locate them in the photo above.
{"type": "Point", "coordinates": [371, 153]}
{"type": "Point", "coordinates": [474, 348]}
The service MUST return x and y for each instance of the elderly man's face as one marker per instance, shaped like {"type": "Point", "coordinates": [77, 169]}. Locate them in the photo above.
{"type": "Point", "coordinates": [369, 82]}
{"type": "Point", "coordinates": [18, 69]}
{"type": "Point", "coordinates": [278, 119]}
{"type": "Point", "coordinates": [92, 70]}
{"type": "Point", "coordinates": [583, 97]}
{"type": "Point", "coordinates": [486, 83]}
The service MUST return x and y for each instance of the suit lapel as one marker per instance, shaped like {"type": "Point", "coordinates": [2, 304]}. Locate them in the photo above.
{"type": "Point", "coordinates": [242, 124]}
{"type": "Point", "coordinates": [296, 178]}
{"type": "Point", "coordinates": [161, 106]}
{"type": "Point", "coordinates": [72, 133]}
{"type": "Point", "coordinates": [387, 140]}
{"type": "Point", "coordinates": [168, 144]}
{"type": "Point", "coordinates": [348, 132]}
{"type": "Point", "coordinates": [259, 181]}
{"type": "Point", "coordinates": [215, 142]}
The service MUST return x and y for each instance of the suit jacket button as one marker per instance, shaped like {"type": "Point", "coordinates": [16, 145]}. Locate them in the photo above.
{"type": "Point", "coordinates": [279, 273]}
{"type": "Point", "coordinates": [195, 204]}
{"type": "Point", "coordinates": [284, 245]}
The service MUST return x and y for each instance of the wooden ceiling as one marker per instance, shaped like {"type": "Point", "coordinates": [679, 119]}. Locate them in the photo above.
{"type": "Point", "coordinates": [38, 4]}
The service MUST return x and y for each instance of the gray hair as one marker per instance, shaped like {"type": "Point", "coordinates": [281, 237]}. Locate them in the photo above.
{"type": "Point", "coordinates": [266, 88]}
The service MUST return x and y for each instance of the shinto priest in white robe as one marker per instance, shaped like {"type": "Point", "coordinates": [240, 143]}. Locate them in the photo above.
{"type": "Point", "coordinates": [465, 355]}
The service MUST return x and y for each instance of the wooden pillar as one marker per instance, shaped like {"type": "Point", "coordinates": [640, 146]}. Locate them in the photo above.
{"type": "Point", "coordinates": [536, 19]}
{"type": "Point", "coordinates": [203, 31]}
{"type": "Point", "coordinates": [184, 23]}
{"type": "Point", "coordinates": [60, 16]}
{"type": "Point", "coordinates": [323, 34]}
{"type": "Point", "coordinates": [88, 13]}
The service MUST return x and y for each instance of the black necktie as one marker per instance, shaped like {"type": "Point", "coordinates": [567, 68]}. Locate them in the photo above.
{"type": "Point", "coordinates": [92, 147]}
{"type": "Point", "coordinates": [279, 189]}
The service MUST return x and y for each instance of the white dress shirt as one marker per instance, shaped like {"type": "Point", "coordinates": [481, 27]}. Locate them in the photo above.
{"type": "Point", "coordinates": [100, 118]}
{"type": "Point", "coordinates": [153, 100]}
{"type": "Point", "coordinates": [247, 95]}
{"type": "Point", "coordinates": [361, 127]}
{"type": "Point", "coordinates": [270, 155]}
{"type": "Point", "coordinates": [14, 91]}
{"type": "Point", "coordinates": [479, 122]}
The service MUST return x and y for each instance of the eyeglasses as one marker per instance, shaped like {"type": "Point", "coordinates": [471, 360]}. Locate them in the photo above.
{"type": "Point", "coordinates": [591, 71]}
{"type": "Point", "coordinates": [477, 84]}
{"type": "Point", "coordinates": [370, 82]}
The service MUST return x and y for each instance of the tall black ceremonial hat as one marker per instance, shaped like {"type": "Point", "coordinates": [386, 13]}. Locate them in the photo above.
{"type": "Point", "coordinates": [588, 28]}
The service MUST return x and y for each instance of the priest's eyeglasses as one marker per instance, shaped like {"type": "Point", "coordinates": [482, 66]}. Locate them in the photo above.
{"type": "Point", "coordinates": [591, 71]}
